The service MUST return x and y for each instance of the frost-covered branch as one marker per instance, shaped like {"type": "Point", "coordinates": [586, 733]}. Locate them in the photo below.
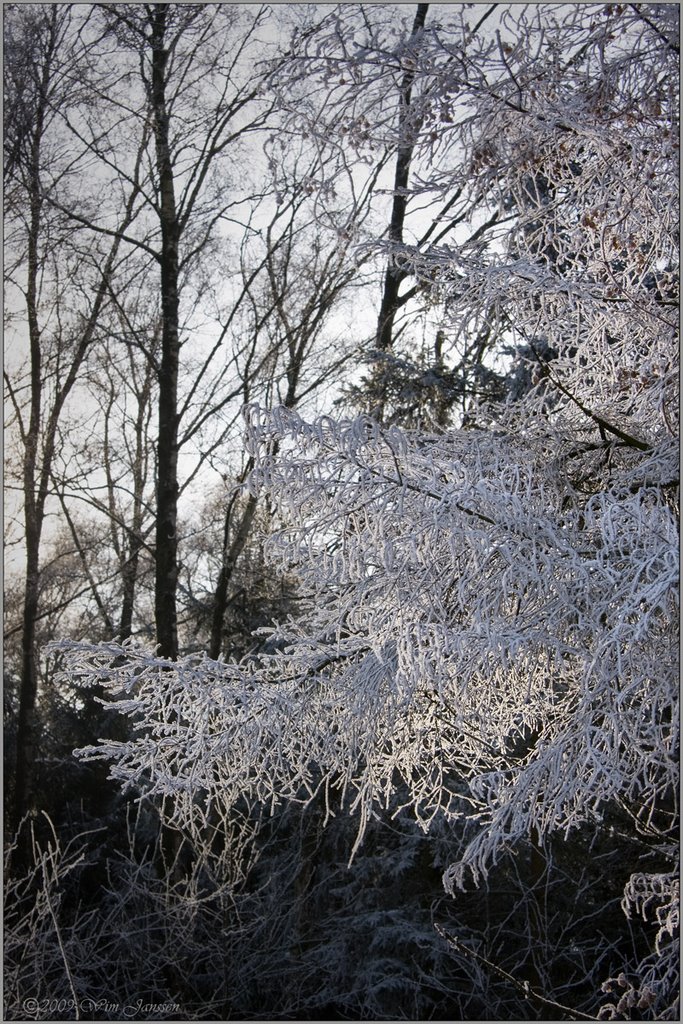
{"type": "Point", "coordinates": [474, 627]}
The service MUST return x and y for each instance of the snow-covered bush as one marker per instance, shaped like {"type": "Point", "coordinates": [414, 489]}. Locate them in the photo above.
{"type": "Point", "coordinates": [484, 632]}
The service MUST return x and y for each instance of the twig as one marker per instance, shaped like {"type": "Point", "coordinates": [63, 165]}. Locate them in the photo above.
{"type": "Point", "coordinates": [522, 986]}
{"type": "Point", "coordinates": [46, 891]}
{"type": "Point", "coordinates": [602, 423]}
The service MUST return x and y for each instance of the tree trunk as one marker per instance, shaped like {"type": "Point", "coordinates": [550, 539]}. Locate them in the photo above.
{"type": "Point", "coordinates": [26, 738]}
{"type": "Point", "coordinates": [406, 133]}
{"type": "Point", "coordinates": [129, 577]}
{"type": "Point", "coordinates": [33, 511]}
{"type": "Point", "coordinates": [167, 449]}
{"type": "Point", "coordinates": [133, 541]}
{"type": "Point", "coordinates": [230, 556]}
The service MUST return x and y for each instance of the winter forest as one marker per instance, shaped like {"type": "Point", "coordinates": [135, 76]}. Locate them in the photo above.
{"type": "Point", "coordinates": [341, 525]}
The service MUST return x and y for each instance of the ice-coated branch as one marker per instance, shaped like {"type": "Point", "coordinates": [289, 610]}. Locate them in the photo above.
{"type": "Point", "coordinates": [472, 628]}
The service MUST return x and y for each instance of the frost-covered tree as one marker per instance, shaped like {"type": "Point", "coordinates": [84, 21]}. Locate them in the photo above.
{"type": "Point", "coordinates": [487, 633]}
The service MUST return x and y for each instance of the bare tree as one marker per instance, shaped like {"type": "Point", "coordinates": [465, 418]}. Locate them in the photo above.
{"type": "Point", "coordinates": [372, 84]}
{"type": "Point", "coordinates": [408, 130]}
{"type": "Point", "coordinates": [307, 277]}
{"type": "Point", "coordinates": [39, 74]}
